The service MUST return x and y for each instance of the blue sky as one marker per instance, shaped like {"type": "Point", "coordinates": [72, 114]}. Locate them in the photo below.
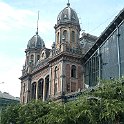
{"type": "Point", "coordinates": [18, 20]}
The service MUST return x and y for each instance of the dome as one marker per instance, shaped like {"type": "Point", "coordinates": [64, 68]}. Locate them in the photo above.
{"type": "Point", "coordinates": [68, 15]}
{"type": "Point", "coordinates": [36, 42]}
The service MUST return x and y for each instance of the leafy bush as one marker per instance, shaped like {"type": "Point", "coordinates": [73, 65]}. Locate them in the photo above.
{"type": "Point", "coordinates": [100, 105]}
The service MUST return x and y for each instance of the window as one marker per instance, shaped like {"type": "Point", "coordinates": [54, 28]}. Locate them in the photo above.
{"type": "Point", "coordinates": [40, 88]}
{"type": "Point", "coordinates": [73, 36]}
{"type": "Point", "coordinates": [73, 71]}
{"type": "Point", "coordinates": [56, 69]}
{"type": "Point", "coordinates": [46, 96]}
{"type": "Point", "coordinates": [68, 73]}
{"type": "Point", "coordinates": [34, 90]}
{"type": "Point", "coordinates": [32, 58]}
{"type": "Point", "coordinates": [65, 35]}
{"type": "Point", "coordinates": [55, 81]}
{"type": "Point", "coordinates": [58, 38]}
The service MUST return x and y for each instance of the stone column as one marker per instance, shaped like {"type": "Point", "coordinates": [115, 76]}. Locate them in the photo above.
{"type": "Point", "coordinates": [50, 79]}
{"type": "Point", "coordinates": [44, 85]}
{"type": "Point", "coordinates": [62, 76]}
{"type": "Point", "coordinates": [37, 90]}
{"type": "Point", "coordinates": [29, 89]}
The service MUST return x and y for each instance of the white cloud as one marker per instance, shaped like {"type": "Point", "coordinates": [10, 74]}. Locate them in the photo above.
{"type": "Point", "coordinates": [19, 18]}
{"type": "Point", "coordinates": [13, 18]}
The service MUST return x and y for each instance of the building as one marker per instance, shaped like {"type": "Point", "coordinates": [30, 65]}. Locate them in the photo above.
{"type": "Point", "coordinates": [105, 60]}
{"type": "Point", "coordinates": [50, 73]}
{"type": "Point", "coordinates": [73, 61]}
{"type": "Point", "coordinates": [7, 99]}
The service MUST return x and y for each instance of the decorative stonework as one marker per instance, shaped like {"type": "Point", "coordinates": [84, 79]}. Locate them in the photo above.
{"type": "Point", "coordinates": [48, 73]}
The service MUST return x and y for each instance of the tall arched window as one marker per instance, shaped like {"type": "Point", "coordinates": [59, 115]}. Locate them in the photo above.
{"type": "Point", "coordinates": [47, 87]}
{"type": "Point", "coordinates": [40, 88]}
{"type": "Point", "coordinates": [65, 35]}
{"type": "Point", "coordinates": [56, 69]}
{"type": "Point", "coordinates": [73, 71]}
{"type": "Point", "coordinates": [33, 91]}
{"type": "Point", "coordinates": [55, 81]}
{"type": "Point", "coordinates": [32, 58]}
{"type": "Point", "coordinates": [73, 36]}
{"type": "Point", "coordinates": [57, 37]}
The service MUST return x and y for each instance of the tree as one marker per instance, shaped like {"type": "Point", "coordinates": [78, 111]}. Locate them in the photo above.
{"type": "Point", "coordinates": [99, 105]}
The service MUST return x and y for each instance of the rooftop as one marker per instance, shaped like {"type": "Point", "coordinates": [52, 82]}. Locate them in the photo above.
{"type": "Point", "coordinates": [6, 95]}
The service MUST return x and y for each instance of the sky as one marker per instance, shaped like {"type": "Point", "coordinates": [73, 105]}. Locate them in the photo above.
{"type": "Point", "coordinates": [18, 23]}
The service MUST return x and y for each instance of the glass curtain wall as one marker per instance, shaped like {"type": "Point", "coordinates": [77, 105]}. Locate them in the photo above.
{"type": "Point", "coordinates": [107, 62]}
{"type": "Point", "coordinates": [92, 70]}
{"type": "Point", "coordinates": [109, 58]}
{"type": "Point", "coordinates": [121, 45]}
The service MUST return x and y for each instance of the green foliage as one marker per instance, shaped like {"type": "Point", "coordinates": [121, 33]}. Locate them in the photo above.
{"type": "Point", "coordinates": [101, 105]}
{"type": "Point", "coordinates": [10, 114]}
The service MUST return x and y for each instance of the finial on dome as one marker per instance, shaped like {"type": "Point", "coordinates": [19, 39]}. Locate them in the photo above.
{"type": "Point", "coordinates": [68, 4]}
{"type": "Point", "coordinates": [37, 23]}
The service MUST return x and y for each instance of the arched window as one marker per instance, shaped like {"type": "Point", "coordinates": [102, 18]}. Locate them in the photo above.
{"type": "Point", "coordinates": [73, 71]}
{"type": "Point", "coordinates": [57, 37]}
{"type": "Point", "coordinates": [56, 69]}
{"type": "Point", "coordinates": [33, 91]}
{"type": "Point", "coordinates": [73, 36]}
{"type": "Point", "coordinates": [55, 81]}
{"type": "Point", "coordinates": [40, 88]}
{"type": "Point", "coordinates": [46, 87]}
{"type": "Point", "coordinates": [32, 58]}
{"type": "Point", "coordinates": [65, 35]}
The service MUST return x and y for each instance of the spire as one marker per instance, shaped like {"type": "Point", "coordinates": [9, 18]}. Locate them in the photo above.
{"type": "Point", "coordinates": [68, 4]}
{"type": "Point", "coordinates": [37, 23]}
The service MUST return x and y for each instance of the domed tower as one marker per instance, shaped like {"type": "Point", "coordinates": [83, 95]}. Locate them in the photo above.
{"type": "Point", "coordinates": [35, 44]}
{"type": "Point", "coordinates": [67, 29]}
{"type": "Point", "coordinates": [66, 67]}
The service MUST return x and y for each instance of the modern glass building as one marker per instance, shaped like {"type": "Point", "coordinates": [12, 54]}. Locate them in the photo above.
{"type": "Point", "coordinates": [105, 60]}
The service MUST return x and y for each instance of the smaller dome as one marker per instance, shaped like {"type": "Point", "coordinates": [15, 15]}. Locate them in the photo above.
{"type": "Point", "coordinates": [36, 42]}
{"type": "Point", "coordinates": [68, 15]}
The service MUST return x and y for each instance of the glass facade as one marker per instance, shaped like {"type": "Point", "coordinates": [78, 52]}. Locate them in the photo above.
{"type": "Point", "coordinates": [92, 70]}
{"type": "Point", "coordinates": [109, 57]}
{"type": "Point", "coordinates": [121, 45]}
{"type": "Point", "coordinates": [107, 62]}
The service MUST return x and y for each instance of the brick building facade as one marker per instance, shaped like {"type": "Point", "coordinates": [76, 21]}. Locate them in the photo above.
{"type": "Point", "coordinates": [49, 73]}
